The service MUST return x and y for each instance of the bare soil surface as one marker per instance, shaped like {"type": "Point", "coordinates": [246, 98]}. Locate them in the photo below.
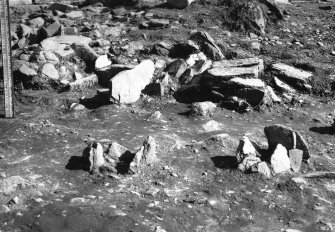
{"type": "Point", "coordinates": [195, 186]}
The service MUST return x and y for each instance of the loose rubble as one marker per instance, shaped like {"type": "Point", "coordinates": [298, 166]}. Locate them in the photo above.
{"type": "Point", "coordinates": [195, 76]}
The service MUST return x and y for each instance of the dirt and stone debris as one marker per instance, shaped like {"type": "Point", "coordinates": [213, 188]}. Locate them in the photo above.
{"type": "Point", "coordinates": [164, 115]}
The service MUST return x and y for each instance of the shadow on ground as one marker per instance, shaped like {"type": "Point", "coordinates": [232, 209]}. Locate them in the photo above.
{"type": "Point", "coordinates": [95, 102]}
{"type": "Point", "coordinates": [330, 130]}
{"type": "Point", "coordinates": [79, 162]}
{"type": "Point", "coordinates": [225, 162]}
{"type": "Point", "coordinates": [123, 166]}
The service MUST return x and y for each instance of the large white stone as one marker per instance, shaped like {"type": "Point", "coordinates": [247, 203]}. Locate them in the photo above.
{"type": "Point", "coordinates": [280, 162]}
{"type": "Point", "coordinates": [50, 71]}
{"type": "Point", "coordinates": [102, 62]}
{"type": "Point", "coordinates": [126, 86]}
{"type": "Point", "coordinates": [60, 44]}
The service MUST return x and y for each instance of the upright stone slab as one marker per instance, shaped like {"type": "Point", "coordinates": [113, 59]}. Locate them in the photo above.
{"type": "Point", "coordinates": [280, 134]}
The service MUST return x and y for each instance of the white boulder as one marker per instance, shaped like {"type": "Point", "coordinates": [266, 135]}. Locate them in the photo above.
{"type": "Point", "coordinates": [126, 86]}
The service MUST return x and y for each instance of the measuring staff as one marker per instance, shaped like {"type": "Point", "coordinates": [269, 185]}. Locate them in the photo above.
{"type": "Point", "coordinates": [6, 58]}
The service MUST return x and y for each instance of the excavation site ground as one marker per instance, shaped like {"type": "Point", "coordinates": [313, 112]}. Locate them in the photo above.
{"type": "Point", "coordinates": [151, 116]}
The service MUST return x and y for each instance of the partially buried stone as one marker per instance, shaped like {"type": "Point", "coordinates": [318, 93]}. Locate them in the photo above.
{"type": "Point", "coordinates": [202, 108]}
{"type": "Point", "coordinates": [157, 23]}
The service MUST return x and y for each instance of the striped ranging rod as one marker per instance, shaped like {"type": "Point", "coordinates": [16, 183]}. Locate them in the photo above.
{"type": "Point", "coordinates": [6, 58]}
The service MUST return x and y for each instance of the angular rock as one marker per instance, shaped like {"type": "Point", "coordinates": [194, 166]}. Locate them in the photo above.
{"type": "Point", "coordinates": [237, 104]}
{"type": "Point", "coordinates": [149, 151]}
{"type": "Point", "coordinates": [161, 49]}
{"type": "Point", "coordinates": [146, 155]}
{"type": "Point", "coordinates": [36, 22]}
{"type": "Point", "coordinates": [77, 107]}
{"type": "Point", "coordinates": [280, 162]}
{"type": "Point", "coordinates": [264, 169]}
{"type": "Point", "coordinates": [75, 15]}
{"type": "Point", "coordinates": [158, 23]}
{"type": "Point", "coordinates": [255, 62]}
{"type": "Point", "coordinates": [86, 82]}
{"type": "Point", "coordinates": [180, 4]}
{"type": "Point", "coordinates": [69, 31]}
{"type": "Point", "coordinates": [273, 6]}
{"type": "Point", "coordinates": [62, 7]}
{"type": "Point", "coordinates": [96, 158]}
{"type": "Point", "coordinates": [248, 83]}
{"type": "Point", "coordinates": [52, 29]}
{"type": "Point", "coordinates": [126, 86]}
{"type": "Point", "coordinates": [260, 19]}
{"type": "Point", "coordinates": [201, 66]}
{"type": "Point", "coordinates": [256, 46]}
{"type": "Point", "coordinates": [120, 11]}
{"type": "Point", "coordinates": [282, 86]}
{"type": "Point", "coordinates": [116, 150]}
{"type": "Point", "coordinates": [250, 164]}
{"type": "Point", "coordinates": [107, 73]}
{"type": "Point", "coordinates": [193, 58]}
{"type": "Point", "coordinates": [245, 149]}
{"type": "Point", "coordinates": [23, 30]}
{"type": "Point", "coordinates": [50, 71]}
{"type": "Point", "coordinates": [291, 75]}
{"type": "Point", "coordinates": [187, 76]}
{"type": "Point", "coordinates": [113, 31]}
{"type": "Point", "coordinates": [224, 74]}
{"type": "Point", "coordinates": [207, 45]}
{"type": "Point", "coordinates": [102, 62]}
{"type": "Point", "coordinates": [202, 108]}
{"type": "Point", "coordinates": [61, 44]}
{"type": "Point", "coordinates": [4, 209]}
{"type": "Point", "coordinates": [273, 95]}
{"type": "Point", "coordinates": [296, 161]}
{"type": "Point", "coordinates": [51, 57]}
{"type": "Point", "coordinates": [280, 134]}
{"type": "Point", "coordinates": [27, 71]}
{"type": "Point", "coordinates": [176, 68]}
